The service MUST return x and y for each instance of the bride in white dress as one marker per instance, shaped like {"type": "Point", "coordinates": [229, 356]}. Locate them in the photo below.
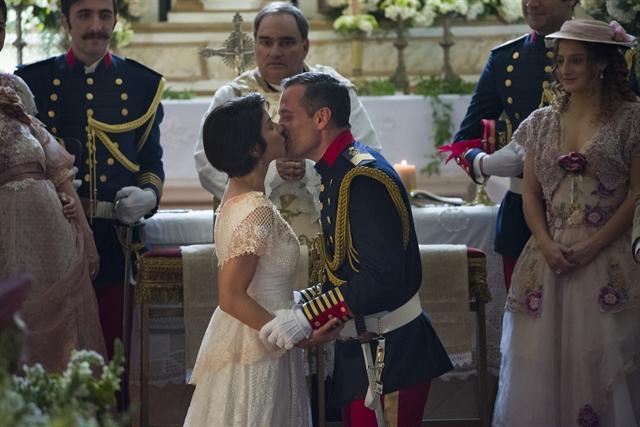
{"type": "Point", "coordinates": [241, 380]}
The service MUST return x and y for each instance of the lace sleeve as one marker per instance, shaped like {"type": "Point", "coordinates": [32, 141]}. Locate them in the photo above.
{"type": "Point", "coordinates": [253, 235]}
{"type": "Point", "coordinates": [58, 162]}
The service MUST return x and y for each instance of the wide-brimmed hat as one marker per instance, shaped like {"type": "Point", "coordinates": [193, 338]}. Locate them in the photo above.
{"type": "Point", "coordinates": [592, 31]}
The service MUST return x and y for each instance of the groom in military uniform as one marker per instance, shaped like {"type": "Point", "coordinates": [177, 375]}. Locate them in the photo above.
{"type": "Point", "coordinates": [372, 269]}
{"type": "Point", "coordinates": [106, 111]}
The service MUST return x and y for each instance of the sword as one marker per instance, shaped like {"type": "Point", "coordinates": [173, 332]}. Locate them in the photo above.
{"type": "Point", "coordinates": [126, 339]}
{"type": "Point", "coordinates": [374, 391]}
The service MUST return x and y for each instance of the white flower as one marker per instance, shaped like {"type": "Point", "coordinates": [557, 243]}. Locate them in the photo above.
{"type": "Point", "coordinates": [510, 10]}
{"type": "Point", "coordinates": [591, 6]}
{"type": "Point", "coordinates": [425, 17]}
{"type": "Point", "coordinates": [399, 13]}
{"type": "Point", "coordinates": [368, 5]}
{"type": "Point", "coordinates": [475, 10]}
{"type": "Point", "coordinates": [449, 6]}
{"type": "Point", "coordinates": [619, 12]}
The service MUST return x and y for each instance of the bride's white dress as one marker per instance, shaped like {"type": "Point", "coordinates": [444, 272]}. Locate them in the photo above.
{"type": "Point", "coordinates": [239, 380]}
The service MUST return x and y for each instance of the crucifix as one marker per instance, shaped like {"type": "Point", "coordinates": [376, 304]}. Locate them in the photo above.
{"type": "Point", "coordinates": [237, 52]}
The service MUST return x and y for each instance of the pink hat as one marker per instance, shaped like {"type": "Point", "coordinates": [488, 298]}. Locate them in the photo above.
{"type": "Point", "coordinates": [588, 30]}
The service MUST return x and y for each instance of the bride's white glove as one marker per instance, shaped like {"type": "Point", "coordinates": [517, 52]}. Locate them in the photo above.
{"type": "Point", "coordinates": [132, 203]}
{"type": "Point", "coordinates": [287, 328]}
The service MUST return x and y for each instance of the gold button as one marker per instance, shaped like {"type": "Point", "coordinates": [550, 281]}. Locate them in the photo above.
{"type": "Point", "coordinates": [548, 69]}
{"type": "Point", "coordinates": [89, 112]}
{"type": "Point", "coordinates": [103, 178]}
{"type": "Point", "coordinates": [124, 96]}
{"type": "Point", "coordinates": [124, 112]}
{"type": "Point", "coordinates": [515, 55]}
{"type": "Point", "coordinates": [110, 161]}
{"type": "Point", "coordinates": [321, 205]}
{"type": "Point", "coordinates": [321, 187]}
{"type": "Point", "coordinates": [509, 68]}
{"type": "Point", "coordinates": [119, 81]}
{"type": "Point", "coordinates": [56, 82]}
{"type": "Point", "coordinates": [509, 100]}
{"type": "Point", "coordinates": [89, 96]}
{"type": "Point", "coordinates": [86, 178]}
{"type": "Point", "coordinates": [53, 97]}
{"type": "Point", "coordinates": [54, 129]}
{"type": "Point", "coordinates": [51, 113]}
{"type": "Point", "coordinates": [549, 54]}
{"type": "Point", "coordinates": [517, 115]}
{"type": "Point", "coordinates": [507, 83]}
{"type": "Point", "coordinates": [89, 81]}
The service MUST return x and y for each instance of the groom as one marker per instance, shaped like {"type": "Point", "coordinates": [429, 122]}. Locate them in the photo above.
{"type": "Point", "coordinates": [372, 265]}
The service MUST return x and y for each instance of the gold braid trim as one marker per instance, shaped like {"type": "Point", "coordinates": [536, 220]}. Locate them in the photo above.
{"type": "Point", "coordinates": [146, 133]}
{"type": "Point", "coordinates": [343, 240]}
{"type": "Point", "coordinates": [160, 280]}
{"type": "Point", "coordinates": [478, 288]}
{"type": "Point", "coordinates": [117, 154]}
{"type": "Point", "coordinates": [150, 178]}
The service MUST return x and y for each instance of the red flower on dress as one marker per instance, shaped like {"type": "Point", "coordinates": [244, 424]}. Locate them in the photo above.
{"type": "Point", "coordinates": [573, 162]}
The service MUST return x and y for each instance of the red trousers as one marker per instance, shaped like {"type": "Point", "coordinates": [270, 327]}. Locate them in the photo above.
{"type": "Point", "coordinates": [402, 408]}
{"type": "Point", "coordinates": [508, 264]}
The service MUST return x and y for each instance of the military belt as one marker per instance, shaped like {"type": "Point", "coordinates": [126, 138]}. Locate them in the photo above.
{"type": "Point", "coordinates": [384, 322]}
{"type": "Point", "coordinates": [103, 210]}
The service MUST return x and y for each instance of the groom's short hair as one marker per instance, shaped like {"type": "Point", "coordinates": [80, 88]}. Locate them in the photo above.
{"type": "Point", "coordinates": [323, 90]}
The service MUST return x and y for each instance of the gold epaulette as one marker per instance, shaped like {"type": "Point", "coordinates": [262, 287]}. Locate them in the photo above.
{"type": "Point", "coordinates": [344, 248]}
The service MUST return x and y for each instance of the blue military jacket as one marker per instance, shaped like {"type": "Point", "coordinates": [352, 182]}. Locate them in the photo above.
{"type": "Point", "coordinates": [109, 120]}
{"type": "Point", "coordinates": [511, 86]}
{"type": "Point", "coordinates": [379, 271]}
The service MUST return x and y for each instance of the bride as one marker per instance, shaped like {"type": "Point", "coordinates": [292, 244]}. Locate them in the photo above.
{"type": "Point", "coordinates": [239, 379]}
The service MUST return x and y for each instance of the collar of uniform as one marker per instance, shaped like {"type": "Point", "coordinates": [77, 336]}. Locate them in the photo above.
{"type": "Point", "coordinates": [70, 57]}
{"type": "Point", "coordinates": [337, 146]}
{"type": "Point", "coordinates": [536, 40]}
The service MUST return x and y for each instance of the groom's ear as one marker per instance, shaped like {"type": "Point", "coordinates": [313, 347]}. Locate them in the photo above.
{"type": "Point", "coordinates": [322, 118]}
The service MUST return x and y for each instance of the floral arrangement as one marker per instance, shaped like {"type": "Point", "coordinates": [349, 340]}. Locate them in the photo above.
{"type": "Point", "coordinates": [627, 12]}
{"type": "Point", "coordinates": [416, 13]}
{"type": "Point", "coordinates": [83, 395]}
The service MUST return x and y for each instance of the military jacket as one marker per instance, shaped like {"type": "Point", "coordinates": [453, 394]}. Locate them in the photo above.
{"type": "Point", "coordinates": [372, 264]}
{"type": "Point", "coordinates": [109, 119]}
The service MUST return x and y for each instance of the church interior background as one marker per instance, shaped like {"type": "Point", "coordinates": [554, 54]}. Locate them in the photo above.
{"type": "Point", "coordinates": [169, 36]}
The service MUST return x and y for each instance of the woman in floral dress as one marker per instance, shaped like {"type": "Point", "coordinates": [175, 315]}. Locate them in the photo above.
{"type": "Point", "coordinates": [571, 332]}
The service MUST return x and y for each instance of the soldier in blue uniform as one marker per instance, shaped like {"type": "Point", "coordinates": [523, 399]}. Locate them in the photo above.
{"type": "Point", "coordinates": [106, 111]}
{"type": "Point", "coordinates": [513, 83]}
{"type": "Point", "coordinates": [372, 269]}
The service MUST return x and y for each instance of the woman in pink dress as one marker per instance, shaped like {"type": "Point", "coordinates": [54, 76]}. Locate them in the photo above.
{"type": "Point", "coordinates": [35, 236]}
{"type": "Point", "coordinates": [571, 335]}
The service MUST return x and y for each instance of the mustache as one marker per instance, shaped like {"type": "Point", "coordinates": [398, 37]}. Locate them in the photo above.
{"type": "Point", "coordinates": [95, 35]}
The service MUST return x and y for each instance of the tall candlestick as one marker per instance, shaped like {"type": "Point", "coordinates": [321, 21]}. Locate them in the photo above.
{"type": "Point", "coordinates": [407, 174]}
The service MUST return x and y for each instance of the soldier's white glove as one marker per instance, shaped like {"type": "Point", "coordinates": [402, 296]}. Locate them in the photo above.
{"type": "Point", "coordinates": [287, 328]}
{"type": "Point", "coordinates": [132, 203]}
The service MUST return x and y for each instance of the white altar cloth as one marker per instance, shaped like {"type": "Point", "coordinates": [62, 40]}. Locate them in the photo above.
{"type": "Point", "coordinates": [473, 226]}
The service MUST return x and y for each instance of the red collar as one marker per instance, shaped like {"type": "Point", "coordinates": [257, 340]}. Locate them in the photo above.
{"type": "Point", "coordinates": [107, 59]}
{"type": "Point", "coordinates": [337, 146]}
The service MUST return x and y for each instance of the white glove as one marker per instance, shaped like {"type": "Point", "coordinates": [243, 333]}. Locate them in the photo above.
{"type": "Point", "coordinates": [287, 328]}
{"type": "Point", "coordinates": [132, 203]}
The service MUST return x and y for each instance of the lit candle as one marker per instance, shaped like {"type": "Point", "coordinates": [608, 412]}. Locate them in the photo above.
{"type": "Point", "coordinates": [407, 174]}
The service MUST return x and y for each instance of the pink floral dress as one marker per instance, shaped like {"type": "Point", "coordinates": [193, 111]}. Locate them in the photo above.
{"type": "Point", "coordinates": [571, 342]}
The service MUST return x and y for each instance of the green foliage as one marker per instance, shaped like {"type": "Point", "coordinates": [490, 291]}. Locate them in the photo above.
{"type": "Point", "coordinates": [177, 94]}
{"type": "Point", "coordinates": [378, 87]}
{"type": "Point", "coordinates": [433, 87]}
{"type": "Point", "coordinates": [82, 396]}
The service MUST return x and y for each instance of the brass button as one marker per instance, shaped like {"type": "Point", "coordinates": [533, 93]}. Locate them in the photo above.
{"type": "Point", "coordinates": [54, 129]}
{"type": "Point", "coordinates": [507, 83]}
{"type": "Point", "coordinates": [509, 68]}
{"type": "Point", "coordinates": [509, 100]}
{"type": "Point", "coordinates": [517, 115]}
{"type": "Point", "coordinates": [124, 112]}
{"type": "Point", "coordinates": [56, 82]}
{"type": "Point", "coordinates": [53, 97]}
{"type": "Point", "coordinates": [119, 81]}
{"type": "Point", "coordinates": [51, 113]}
{"type": "Point", "coordinates": [124, 96]}
{"type": "Point", "coordinates": [548, 69]}
{"type": "Point", "coordinates": [110, 161]}
{"type": "Point", "coordinates": [103, 178]}
{"type": "Point", "coordinates": [549, 54]}
{"type": "Point", "coordinates": [515, 55]}
{"type": "Point", "coordinates": [89, 112]}
{"type": "Point", "coordinates": [321, 187]}
{"type": "Point", "coordinates": [89, 81]}
{"type": "Point", "coordinates": [86, 178]}
{"type": "Point", "coordinates": [321, 205]}
{"type": "Point", "coordinates": [89, 96]}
